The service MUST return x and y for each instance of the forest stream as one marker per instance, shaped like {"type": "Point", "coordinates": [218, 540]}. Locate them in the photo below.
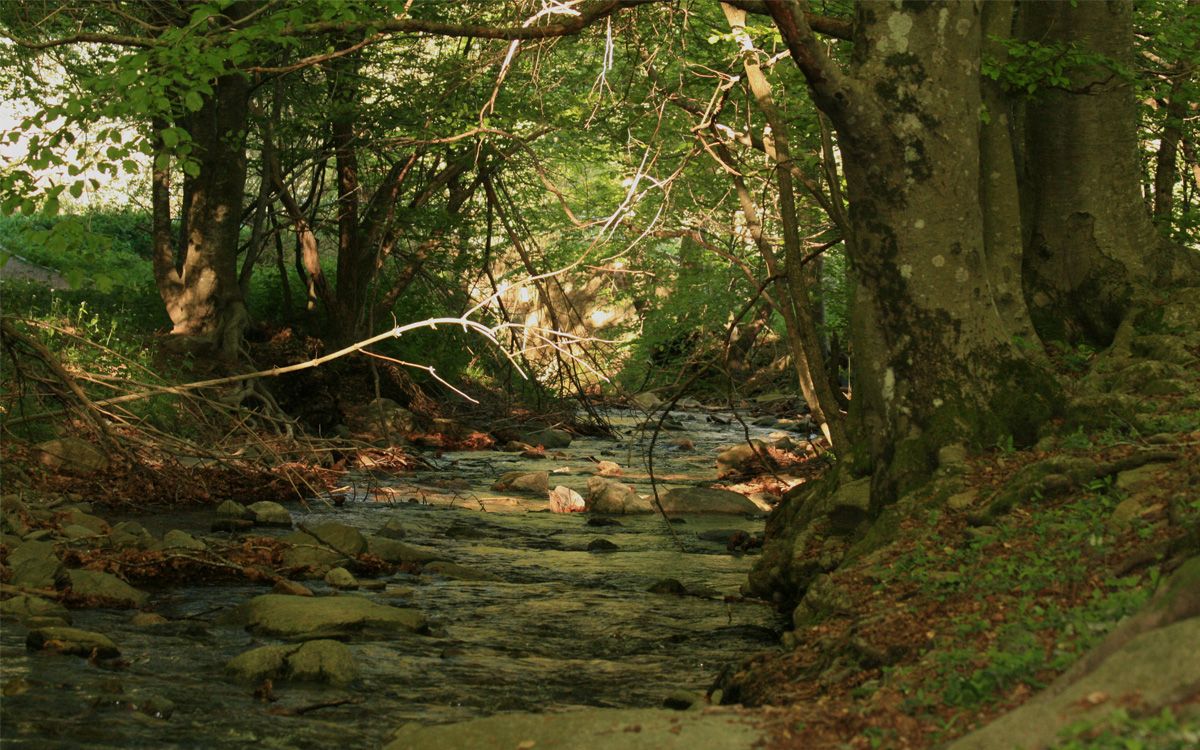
{"type": "Point", "coordinates": [551, 625]}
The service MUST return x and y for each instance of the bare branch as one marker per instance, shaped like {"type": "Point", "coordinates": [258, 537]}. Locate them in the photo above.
{"type": "Point", "coordinates": [568, 27]}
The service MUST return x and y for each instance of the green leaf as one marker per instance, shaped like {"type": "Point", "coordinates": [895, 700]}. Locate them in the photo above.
{"type": "Point", "coordinates": [170, 138]}
{"type": "Point", "coordinates": [76, 188]}
{"type": "Point", "coordinates": [203, 13]}
{"type": "Point", "coordinates": [193, 101]}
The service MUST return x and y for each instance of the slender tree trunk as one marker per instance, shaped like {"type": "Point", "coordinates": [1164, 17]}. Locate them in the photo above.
{"type": "Point", "coordinates": [199, 285]}
{"type": "Point", "coordinates": [796, 280]}
{"type": "Point", "coordinates": [350, 286]}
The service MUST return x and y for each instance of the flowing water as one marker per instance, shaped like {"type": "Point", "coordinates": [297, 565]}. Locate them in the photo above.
{"type": "Point", "coordinates": [562, 627]}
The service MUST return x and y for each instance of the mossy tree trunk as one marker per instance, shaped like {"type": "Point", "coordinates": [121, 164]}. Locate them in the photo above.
{"type": "Point", "coordinates": [936, 360]}
{"type": "Point", "coordinates": [1093, 245]}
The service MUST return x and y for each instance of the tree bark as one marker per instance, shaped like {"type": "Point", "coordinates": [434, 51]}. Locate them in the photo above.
{"type": "Point", "coordinates": [998, 189]}
{"type": "Point", "coordinates": [199, 284]}
{"type": "Point", "coordinates": [935, 361]}
{"type": "Point", "coordinates": [1093, 246]}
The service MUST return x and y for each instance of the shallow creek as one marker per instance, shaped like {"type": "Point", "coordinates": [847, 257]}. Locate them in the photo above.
{"type": "Point", "coordinates": [563, 627]}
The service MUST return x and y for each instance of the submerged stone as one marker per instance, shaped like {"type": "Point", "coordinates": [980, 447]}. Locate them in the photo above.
{"type": "Point", "coordinates": [601, 545]}
{"type": "Point", "coordinates": [322, 660]}
{"type": "Point", "coordinates": [73, 641]}
{"type": "Point", "coordinates": [393, 529]}
{"type": "Point", "coordinates": [459, 572]}
{"type": "Point", "coordinates": [587, 729]}
{"type": "Point", "coordinates": [298, 617]}
{"type": "Point", "coordinates": [181, 540]}
{"type": "Point", "coordinates": [392, 551]}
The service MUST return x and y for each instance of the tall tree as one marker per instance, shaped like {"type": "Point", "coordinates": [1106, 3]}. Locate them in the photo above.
{"type": "Point", "coordinates": [936, 362]}
{"type": "Point", "coordinates": [1093, 247]}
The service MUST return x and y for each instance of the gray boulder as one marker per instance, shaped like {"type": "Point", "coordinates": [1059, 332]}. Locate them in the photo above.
{"type": "Point", "coordinates": [23, 606]}
{"type": "Point", "coordinates": [291, 588]}
{"type": "Point", "coordinates": [86, 520]}
{"type": "Point", "coordinates": [535, 482]}
{"type": "Point", "coordinates": [105, 588]}
{"type": "Point", "coordinates": [71, 455]}
{"type": "Point", "coordinates": [1156, 669]}
{"type": "Point", "coordinates": [66, 640]}
{"type": "Point", "coordinates": [340, 578]}
{"type": "Point", "coordinates": [35, 565]}
{"type": "Point", "coordinates": [231, 509]}
{"type": "Point", "coordinates": [706, 500]}
{"type": "Point", "coordinates": [130, 535]}
{"type": "Point", "coordinates": [323, 660]}
{"type": "Point", "coordinates": [181, 540]}
{"type": "Point", "coordinates": [396, 418]}
{"type": "Point", "coordinates": [646, 401]}
{"type": "Point", "coordinates": [605, 496]}
{"type": "Point", "coordinates": [305, 618]}
{"type": "Point", "coordinates": [267, 513]}
{"type": "Point", "coordinates": [74, 532]}
{"type": "Point", "coordinates": [345, 539]}
{"type": "Point", "coordinates": [232, 516]}
{"type": "Point", "coordinates": [743, 458]}
{"type": "Point", "coordinates": [305, 554]}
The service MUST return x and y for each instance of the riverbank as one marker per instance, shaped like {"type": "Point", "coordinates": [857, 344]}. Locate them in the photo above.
{"type": "Point", "coordinates": [968, 601]}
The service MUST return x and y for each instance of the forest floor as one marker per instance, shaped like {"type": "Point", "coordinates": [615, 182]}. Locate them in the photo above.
{"type": "Point", "coordinates": [964, 618]}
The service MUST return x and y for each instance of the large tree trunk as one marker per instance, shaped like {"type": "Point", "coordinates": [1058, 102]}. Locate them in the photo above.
{"type": "Point", "coordinates": [936, 363]}
{"type": "Point", "coordinates": [998, 193]}
{"type": "Point", "coordinates": [1093, 245]}
{"type": "Point", "coordinates": [199, 281]}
